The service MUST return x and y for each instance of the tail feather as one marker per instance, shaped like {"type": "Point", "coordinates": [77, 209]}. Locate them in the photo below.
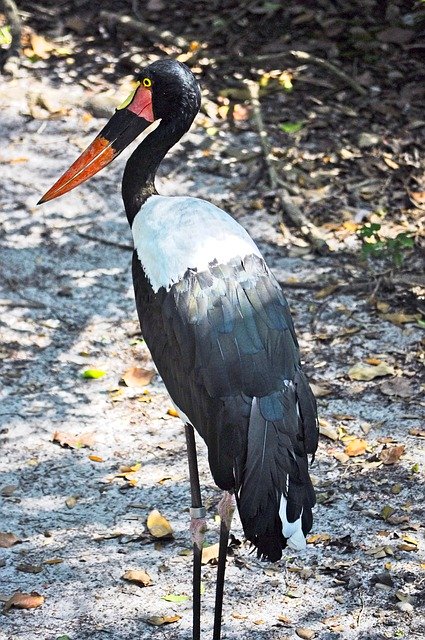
{"type": "Point", "coordinates": [275, 495]}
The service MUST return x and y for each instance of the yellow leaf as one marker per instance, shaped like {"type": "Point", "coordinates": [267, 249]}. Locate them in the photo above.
{"type": "Point", "coordinates": [362, 371]}
{"type": "Point", "coordinates": [326, 430]}
{"type": "Point", "coordinates": [138, 377]}
{"type": "Point", "coordinates": [140, 578]}
{"type": "Point", "coordinates": [210, 553]}
{"type": "Point", "coordinates": [172, 412]}
{"type": "Point", "coordinates": [356, 447]}
{"type": "Point", "coordinates": [158, 526]}
{"type": "Point", "coordinates": [158, 621]}
{"type": "Point", "coordinates": [96, 458]}
{"type": "Point", "coordinates": [318, 537]}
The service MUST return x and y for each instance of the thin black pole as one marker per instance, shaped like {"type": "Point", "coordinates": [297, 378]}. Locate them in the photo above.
{"type": "Point", "coordinates": [221, 569]}
{"type": "Point", "coordinates": [197, 512]}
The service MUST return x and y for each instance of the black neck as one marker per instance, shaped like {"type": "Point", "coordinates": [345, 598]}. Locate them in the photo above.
{"type": "Point", "coordinates": [138, 181]}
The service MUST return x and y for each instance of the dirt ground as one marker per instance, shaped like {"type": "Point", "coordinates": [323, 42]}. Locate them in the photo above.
{"type": "Point", "coordinates": [78, 514]}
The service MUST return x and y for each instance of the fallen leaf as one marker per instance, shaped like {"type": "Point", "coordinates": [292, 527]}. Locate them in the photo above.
{"type": "Point", "coordinates": [124, 469]}
{"type": "Point", "coordinates": [172, 412]}
{"type": "Point", "coordinates": [141, 578]}
{"type": "Point", "coordinates": [29, 568]}
{"type": "Point", "coordinates": [158, 526]}
{"type": "Point", "coordinates": [93, 373]}
{"type": "Point", "coordinates": [320, 390]}
{"type": "Point", "coordinates": [210, 553]}
{"type": "Point", "coordinates": [173, 597]}
{"type": "Point", "coordinates": [158, 621]}
{"type": "Point", "coordinates": [71, 501]}
{"type": "Point", "coordinates": [355, 447]}
{"type": "Point", "coordinates": [362, 371]}
{"type": "Point", "coordinates": [417, 431]}
{"type": "Point", "coordinates": [258, 622]}
{"type": "Point", "coordinates": [138, 377]}
{"type": "Point", "coordinates": [7, 540]}
{"type": "Point", "coordinates": [391, 455]}
{"type": "Point", "coordinates": [21, 600]}
{"type": "Point", "coordinates": [401, 387]}
{"type": "Point", "coordinates": [341, 456]}
{"type": "Point", "coordinates": [326, 430]}
{"type": "Point", "coordinates": [96, 458]}
{"type": "Point", "coordinates": [400, 318]}
{"type": "Point", "coordinates": [318, 537]}
{"type": "Point", "coordinates": [386, 512]}
{"type": "Point", "coordinates": [284, 619]}
{"type": "Point", "coordinates": [305, 634]}
{"type": "Point", "coordinates": [74, 442]}
{"type": "Point", "coordinates": [8, 490]}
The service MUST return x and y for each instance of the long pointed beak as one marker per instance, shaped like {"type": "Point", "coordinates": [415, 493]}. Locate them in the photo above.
{"type": "Point", "coordinates": [124, 127]}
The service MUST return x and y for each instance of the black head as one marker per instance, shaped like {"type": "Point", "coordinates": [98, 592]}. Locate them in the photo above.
{"type": "Point", "coordinates": [175, 91]}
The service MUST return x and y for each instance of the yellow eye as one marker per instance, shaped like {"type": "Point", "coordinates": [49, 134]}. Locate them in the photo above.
{"type": "Point", "coordinates": [147, 82]}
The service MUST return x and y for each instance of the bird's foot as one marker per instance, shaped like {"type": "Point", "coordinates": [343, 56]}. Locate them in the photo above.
{"type": "Point", "coordinates": [198, 525]}
{"type": "Point", "coordinates": [226, 508]}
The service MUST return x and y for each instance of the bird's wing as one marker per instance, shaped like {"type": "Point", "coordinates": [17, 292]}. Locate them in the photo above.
{"type": "Point", "coordinates": [224, 343]}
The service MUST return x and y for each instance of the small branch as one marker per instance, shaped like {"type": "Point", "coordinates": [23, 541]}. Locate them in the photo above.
{"type": "Point", "coordinates": [112, 243]}
{"type": "Point", "coordinates": [291, 210]}
{"type": "Point", "coordinates": [320, 62]}
{"type": "Point", "coordinates": [132, 26]}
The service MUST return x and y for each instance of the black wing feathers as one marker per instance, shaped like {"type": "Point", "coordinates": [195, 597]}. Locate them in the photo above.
{"type": "Point", "coordinates": [224, 343]}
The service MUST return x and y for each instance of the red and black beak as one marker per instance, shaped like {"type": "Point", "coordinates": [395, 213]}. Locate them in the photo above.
{"type": "Point", "coordinates": [128, 122]}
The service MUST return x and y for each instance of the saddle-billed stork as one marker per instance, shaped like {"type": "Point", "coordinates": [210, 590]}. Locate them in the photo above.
{"type": "Point", "coordinates": [219, 330]}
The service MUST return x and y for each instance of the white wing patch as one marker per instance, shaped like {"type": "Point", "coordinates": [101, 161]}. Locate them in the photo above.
{"type": "Point", "coordinates": [291, 530]}
{"type": "Point", "coordinates": [173, 234]}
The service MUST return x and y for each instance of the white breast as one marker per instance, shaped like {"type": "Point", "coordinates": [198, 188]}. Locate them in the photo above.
{"type": "Point", "coordinates": [173, 234]}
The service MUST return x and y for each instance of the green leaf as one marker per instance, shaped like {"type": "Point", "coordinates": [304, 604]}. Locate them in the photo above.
{"type": "Point", "coordinates": [172, 597]}
{"type": "Point", "coordinates": [5, 36]}
{"type": "Point", "coordinates": [63, 638]}
{"type": "Point", "coordinates": [292, 127]}
{"type": "Point", "coordinates": [93, 373]}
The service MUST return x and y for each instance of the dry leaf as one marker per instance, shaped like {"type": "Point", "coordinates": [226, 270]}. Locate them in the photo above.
{"type": "Point", "coordinates": [24, 601]}
{"type": "Point", "coordinates": [305, 634]}
{"type": "Point", "coordinates": [96, 458]}
{"type": "Point", "coordinates": [340, 456]}
{"type": "Point", "coordinates": [7, 540]}
{"type": "Point", "coordinates": [74, 442]}
{"type": "Point", "coordinates": [392, 454]}
{"type": "Point", "coordinates": [325, 429]}
{"type": "Point", "coordinates": [355, 447]}
{"type": "Point", "coordinates": [141, 578]}
{"type": "Point", "coordinates": [172, 412]}
{"type": "Point", "coordinates": [158, 621]}
{"type": "Point", "coordinates": [158, 526]}
{"type": "Point", "coordinates": [320, 390]}
{"type": "Point", "coordinates": [71, 501]}
{"type": "Point", "coordinates": [401, 387]}
{"type": "Point", "coordinates": [8, 490]}
{"type": "Point", "coordinates": [417, 431]}
{"type": "Point", "coordinates": [401, 318]}
{"type": "Point", "coordinates": [210, 553]}
{"type": "Point", "coordinates": [29, 568]}
{"type": "Point", "coordinates": [362, 371]}
{"type": "Point", "coordinates": [318, 537]}
{"type": "Point", "coordinates": [138, 377]}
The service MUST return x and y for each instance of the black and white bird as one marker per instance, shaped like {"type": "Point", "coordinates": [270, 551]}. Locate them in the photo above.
{"type": "Point", "coordinates": [218, 327]}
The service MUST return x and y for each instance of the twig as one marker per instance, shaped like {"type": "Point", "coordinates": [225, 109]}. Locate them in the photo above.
{"type": "Point", "coordinates": [307, 228]}
{"type": "Point", "coordinates": [320, 62]}
{"type": "Point", "coordinates": [25, 303]}
{"type": "Point", "coordinates": [132, 26]}
{"type": "Point", "coordinates": [112, 243]}
{"type": "Point", "coordinates": [11, 54]}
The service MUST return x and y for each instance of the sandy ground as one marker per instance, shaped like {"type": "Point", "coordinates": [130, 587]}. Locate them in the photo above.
{"type": "Point", "coordinates": [67, 305]}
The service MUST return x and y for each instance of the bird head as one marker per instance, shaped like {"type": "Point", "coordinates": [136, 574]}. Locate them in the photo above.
{"type": "Point", "coordinates": [166, 91]}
